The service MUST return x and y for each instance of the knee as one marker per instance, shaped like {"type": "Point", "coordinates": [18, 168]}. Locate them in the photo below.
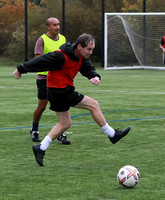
{"type": "Point", "coordinates": [94, 105]}
{"type": "Point", "coordinates": [42, 108]}
{"type": "Point", "coordinates": [66, 124]}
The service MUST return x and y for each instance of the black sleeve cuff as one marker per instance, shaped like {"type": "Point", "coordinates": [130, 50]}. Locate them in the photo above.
{"type": "Point", "coordinates": [21, 69]}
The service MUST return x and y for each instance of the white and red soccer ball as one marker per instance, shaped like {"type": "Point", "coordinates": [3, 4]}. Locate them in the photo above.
{"type": "Point", "coordinates": [128, 176]}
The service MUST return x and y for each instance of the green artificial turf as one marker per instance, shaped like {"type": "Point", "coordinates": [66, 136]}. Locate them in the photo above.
{"type": "Point", "coordinates": [86, 169]}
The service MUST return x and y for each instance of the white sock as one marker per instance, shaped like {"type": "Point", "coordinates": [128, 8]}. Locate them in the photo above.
{"type": "Point", "coordinates": [45, 143]}
{"type": "Point", "coordinates": [109, 131]}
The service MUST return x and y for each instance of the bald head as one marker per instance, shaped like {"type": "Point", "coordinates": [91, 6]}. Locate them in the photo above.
{"type": "Point", "coordinates": [53, 27]}
{"type": "Point", "coordinates": [51, 20]}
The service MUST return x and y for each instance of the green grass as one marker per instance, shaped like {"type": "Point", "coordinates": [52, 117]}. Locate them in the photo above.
{"type": "Point", "coordinates": [87, 169]}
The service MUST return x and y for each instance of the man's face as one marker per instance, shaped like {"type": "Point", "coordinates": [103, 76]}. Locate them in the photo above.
{"type": "Point", "coordinates": [87, 51]}
{"type": "Point", "coordinates": [54, 27]}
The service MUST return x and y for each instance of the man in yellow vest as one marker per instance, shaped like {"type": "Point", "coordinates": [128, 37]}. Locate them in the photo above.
{"type": "Point", "coordinates": [51, 41]}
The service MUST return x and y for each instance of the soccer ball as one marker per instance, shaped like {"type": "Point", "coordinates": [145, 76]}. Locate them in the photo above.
{"type": "Point", "coordinates": [128, 176]}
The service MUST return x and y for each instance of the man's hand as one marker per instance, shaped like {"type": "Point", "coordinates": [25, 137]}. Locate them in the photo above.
{"type": "Point", "coordinates": [17, 74]}
{"type": "Point", "coordinates": [95, 80]}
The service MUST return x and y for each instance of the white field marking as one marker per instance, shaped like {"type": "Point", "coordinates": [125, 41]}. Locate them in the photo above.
{"type": "Point", "coordinates": [86, 90]}
{"type": "Point", "coordinates": [134, 76]}
{"type": "Point", "coordinates": [122, 91]}
{"type": "Point", "coordinates": [6, 87]}
{"type": "Point", "coordinates": [68, 132]}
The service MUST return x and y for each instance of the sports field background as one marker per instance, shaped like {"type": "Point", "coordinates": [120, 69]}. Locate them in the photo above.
{"type": "Point", "coordinates": [86, 169]}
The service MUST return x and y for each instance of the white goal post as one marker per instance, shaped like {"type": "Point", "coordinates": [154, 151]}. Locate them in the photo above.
{"type": "Point", "coordinates": [132, 40]}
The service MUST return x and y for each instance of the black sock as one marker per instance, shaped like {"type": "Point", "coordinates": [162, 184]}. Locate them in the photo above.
{"type": "Point", "coordinates": [34, 127]}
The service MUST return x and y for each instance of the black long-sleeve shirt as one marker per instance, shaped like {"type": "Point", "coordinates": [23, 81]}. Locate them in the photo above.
{"type": "Point", "coordinates": [55, 60]}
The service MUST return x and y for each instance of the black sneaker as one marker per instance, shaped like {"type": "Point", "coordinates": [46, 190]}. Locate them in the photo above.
{"type": "Point", "coordinates": [119, 134]}
{"type": "Point", "coordinates": [35, 136]}
{"type": "Point", "coordinates": [39, 154]}
{"type": "Point", "coordinates": [63, 139]}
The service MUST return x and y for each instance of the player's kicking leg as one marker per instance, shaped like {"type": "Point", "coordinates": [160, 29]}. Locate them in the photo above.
{"type": "Point", "coordinates": [93, 106]}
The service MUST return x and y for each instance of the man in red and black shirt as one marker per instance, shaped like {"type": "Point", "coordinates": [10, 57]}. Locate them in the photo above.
{"type": "Point", "coordinates": [63, 65]}
{"type": "Point", "coordinates": [162, 46]}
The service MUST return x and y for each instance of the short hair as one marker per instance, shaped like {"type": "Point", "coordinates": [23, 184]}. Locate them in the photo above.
{"type": "Point", "coordinates": [85, 39]}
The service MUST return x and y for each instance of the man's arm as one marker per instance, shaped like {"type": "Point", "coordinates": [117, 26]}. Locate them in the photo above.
{"type": "Point", "coordinates": [47, 62]}
{"type": "Point", "coordinates": [161, 45]}
{"type": "Point", "coordinates": [17, 74]}
{"type": "Point", "coordinates": [38, 51]}
{"type": "Point", "coordinates": [163, 49]}
{"type": "Point", "coordinates": [39, 48]}
{"type": "Point", "coordinates": [95, 80]}
{"type": "Point", "coordinates": [88, 70]}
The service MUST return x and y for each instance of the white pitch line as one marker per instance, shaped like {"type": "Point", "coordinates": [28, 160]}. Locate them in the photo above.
{"type": "Point", "coordinates": [86, 90]}
{"type": "Point", "coordinates": [121, 91]}
{"type": "Point", "coordinates": [15, 87]}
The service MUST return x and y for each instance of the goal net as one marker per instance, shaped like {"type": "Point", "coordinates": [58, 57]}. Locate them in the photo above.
{"type": "Point", "coordinates": [132, 40]}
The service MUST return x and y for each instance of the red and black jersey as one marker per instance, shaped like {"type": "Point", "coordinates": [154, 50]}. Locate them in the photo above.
{"type": "Point", "coordinates": [64, 77]}
{"type": "Point", "coordinates": [63, 66]}
{"type": "Point", "coordinates": [163, 42]}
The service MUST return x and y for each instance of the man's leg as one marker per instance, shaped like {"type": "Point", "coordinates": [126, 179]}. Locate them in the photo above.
{"type": "Point", "coordinates": [93, 106]}
{"type": "Point", "coordinates": [36, 118]}
{"type": "Point", "coordinates": [42, 103]}
{"type": "Point", "coordinates": [42, 94]}
{"type": "Point", "coordinates": [61, 137]}
{"type": "Point", "coordinates": [64, 122]}
{"type": "Point", "coordinates": [40, 109]}
{"type": "Point", "coordinates": [163, 58]}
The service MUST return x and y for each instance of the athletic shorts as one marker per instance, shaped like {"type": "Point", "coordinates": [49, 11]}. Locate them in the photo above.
{"type": "Point", "coordinates": [61, 100]}
{"type": "Point", "coordinates": [42, 90]}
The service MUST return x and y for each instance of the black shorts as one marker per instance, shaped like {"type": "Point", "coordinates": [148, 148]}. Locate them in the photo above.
{"type": "Point", "coordinates": [42, 90]}
{"type": "Point", "coordinates": [62, 99]}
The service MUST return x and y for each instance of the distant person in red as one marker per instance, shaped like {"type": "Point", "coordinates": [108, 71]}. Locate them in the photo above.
{"type": "Point", "coordinates": [162, 46]}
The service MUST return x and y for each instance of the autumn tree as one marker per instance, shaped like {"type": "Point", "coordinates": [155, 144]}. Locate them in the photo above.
{"type": "Point", "coordinates": [12, 17]}
{"type": "Point", "coordinates": [10, 14]}
{"type": "Point", "coordinates": [80, 16]}
{"type": "Point", "coordinates": [137, 6]}
{"type": "Point", "coordinates": [132, 5]}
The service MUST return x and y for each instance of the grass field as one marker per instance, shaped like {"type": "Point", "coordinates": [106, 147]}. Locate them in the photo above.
{"type": "Point", "coordinates": [86, 169]}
